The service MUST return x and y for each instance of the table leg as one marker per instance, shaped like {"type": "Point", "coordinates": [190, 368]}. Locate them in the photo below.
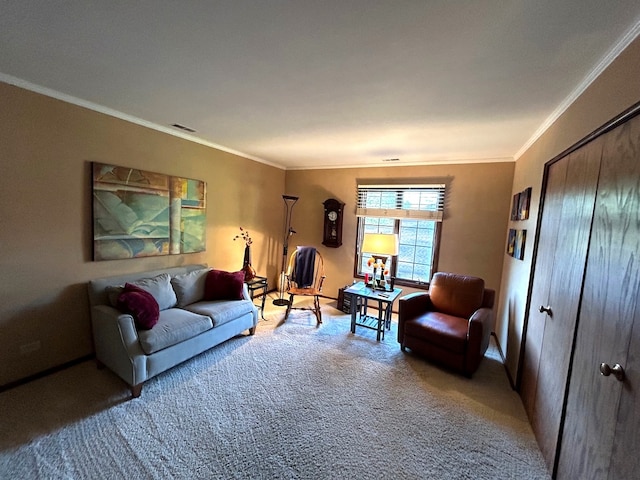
{"type": "Point", "coordinates": [264, 296]}
{"type": "Point", "coordinates": [352, 307]}
{"type": "Point", "coordinates": [387, 314]}
{"type": "Point", "coordinates": [380, 322]}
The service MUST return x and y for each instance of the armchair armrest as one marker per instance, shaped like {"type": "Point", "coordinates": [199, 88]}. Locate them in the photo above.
{"type": "Point", "coordinates": [478, 334]}
{"type": "Point", "coordinates": [411, 306]}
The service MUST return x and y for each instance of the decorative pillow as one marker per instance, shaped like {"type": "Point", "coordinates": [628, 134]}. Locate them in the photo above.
{"type": "Point", "coordinates": [221, 285]}
{"type": "Point", "coordinates": [140, 304]}
{"type": "Point", "coordinates": [160, 288]}
{"type": "Point", "coordinates": [189, 287]}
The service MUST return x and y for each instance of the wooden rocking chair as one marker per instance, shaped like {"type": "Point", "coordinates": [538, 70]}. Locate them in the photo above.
{"type": "Point", "coordinates": [304, 277]}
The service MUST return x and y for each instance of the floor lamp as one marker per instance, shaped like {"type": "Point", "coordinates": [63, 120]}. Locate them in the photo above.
{"type": "Point", "coordinates": [289, 202]}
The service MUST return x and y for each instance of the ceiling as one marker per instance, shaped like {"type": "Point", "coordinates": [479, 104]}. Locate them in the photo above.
{"type": "Point", "coordinates": [322, 83]}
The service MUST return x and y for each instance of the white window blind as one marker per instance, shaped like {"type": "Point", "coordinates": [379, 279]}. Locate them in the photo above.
{"type": "Point", "coordinates": [420, 202]}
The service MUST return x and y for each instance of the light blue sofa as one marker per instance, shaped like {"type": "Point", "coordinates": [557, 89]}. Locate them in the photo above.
{"type": "Point", "coordinates": [187, 325]}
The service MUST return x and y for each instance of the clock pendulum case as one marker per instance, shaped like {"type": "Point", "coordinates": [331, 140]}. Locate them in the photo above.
{"type": "Point", "coordinates": [332, 231]}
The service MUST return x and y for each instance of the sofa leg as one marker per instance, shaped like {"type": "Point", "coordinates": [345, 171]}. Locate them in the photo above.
{"type": "Point", "coordinates": [252, 331]}
{"type": "Point", "coordinates": [136, 390]}
{"type": "Point", "coordinates": [403, 348]}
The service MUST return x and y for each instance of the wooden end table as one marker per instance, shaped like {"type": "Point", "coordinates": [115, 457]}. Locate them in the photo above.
{"type": "Point", "coordinates": [360, 295]}
{"type": "Point", "coordinates": [260, 285]}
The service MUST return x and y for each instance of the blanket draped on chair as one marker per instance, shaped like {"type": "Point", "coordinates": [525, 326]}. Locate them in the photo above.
{"type": "Point", "coordinates": [304, 269]}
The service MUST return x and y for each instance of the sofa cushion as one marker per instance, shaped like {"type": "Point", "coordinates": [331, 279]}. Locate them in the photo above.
{"type": "Point", "coordinates": [158, 286]}
{"type": "Point", "coordinates": [140, 304]}
{"type": "Point", "coordinates": [221, 285]}
{"type": "Point", "coordinates": [446, 331]}
{"type": "Point", "coordinates": [174, 326]}
{"type": "Point", "coordinates": [189, 287]}
{"type": "Point", "coordinates": [222, 311]}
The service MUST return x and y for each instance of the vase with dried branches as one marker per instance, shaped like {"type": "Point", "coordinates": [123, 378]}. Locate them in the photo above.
{"type": "Point", "coordinates": [247, 268]}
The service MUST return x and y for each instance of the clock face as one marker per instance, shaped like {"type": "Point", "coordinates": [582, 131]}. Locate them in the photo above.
{"type": "Point", "coordinates": [332, 216]}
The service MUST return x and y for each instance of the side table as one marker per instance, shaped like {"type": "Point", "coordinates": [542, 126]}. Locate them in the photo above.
{"type": "Point", "coordinates": [360, 295]}
{"type": "Point", "coordinates": [258, 284]}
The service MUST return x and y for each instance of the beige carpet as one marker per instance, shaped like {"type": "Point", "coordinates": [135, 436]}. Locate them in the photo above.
{"type": "Point", "coordinates": [292, 402]}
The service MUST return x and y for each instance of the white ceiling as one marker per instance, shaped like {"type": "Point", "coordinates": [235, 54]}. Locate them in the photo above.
{"type": "Point", "coordinates": [322, 83]}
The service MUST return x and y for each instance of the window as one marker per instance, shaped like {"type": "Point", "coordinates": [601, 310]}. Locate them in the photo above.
{"type": "Point", "coordinates": [415, 213]}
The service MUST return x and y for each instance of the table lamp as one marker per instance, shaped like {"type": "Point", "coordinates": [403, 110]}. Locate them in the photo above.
{"type": "Point", "coordinates": [381, 246]}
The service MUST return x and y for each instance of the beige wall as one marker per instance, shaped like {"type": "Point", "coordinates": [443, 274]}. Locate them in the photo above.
{"type": "Point", "coordinates": [473, 232]}
{"type": "Point", "coordinates": [616, 89]}
{"type": "Point", "coordinates": [46, 147]}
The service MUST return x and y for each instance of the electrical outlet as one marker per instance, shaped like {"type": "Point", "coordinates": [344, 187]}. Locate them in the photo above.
{"type": "Point", "coordinates": [30, 347]}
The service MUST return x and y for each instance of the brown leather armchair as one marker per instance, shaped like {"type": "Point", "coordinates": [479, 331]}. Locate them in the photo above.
{"type": "Point", "coordinates": [451, 324]}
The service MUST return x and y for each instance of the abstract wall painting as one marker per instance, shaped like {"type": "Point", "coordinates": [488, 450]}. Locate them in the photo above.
{"type": "Point", "coordinates": [516, 243]}
{"type": "Point", "coordinates": [520, 205]}
{"type": "Point", "coordinates": [511, 242]}
{"type": "Point", "coordinates": [521, 237]}
{"type": "Point", "coordinates": [137, 213]}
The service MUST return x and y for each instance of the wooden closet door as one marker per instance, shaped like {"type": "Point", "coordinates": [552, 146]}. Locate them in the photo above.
{"type": "Point", "coordinates": [602, 422]}
{"type": "Point", "coordinates": [557, 284]}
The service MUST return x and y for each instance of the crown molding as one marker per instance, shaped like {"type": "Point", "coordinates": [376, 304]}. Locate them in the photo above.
{"type": "Point", "coordinates": [617, 49]}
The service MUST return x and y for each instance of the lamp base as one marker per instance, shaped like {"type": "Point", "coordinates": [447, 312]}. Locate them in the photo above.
{"type": "Point", "coordinates": [281, 302]}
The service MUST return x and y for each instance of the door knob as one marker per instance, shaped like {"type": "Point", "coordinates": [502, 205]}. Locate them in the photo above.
{"type": "Point", "coordinates": [616, 370]}
{"type": "Point", "coordinates": [547, 310]}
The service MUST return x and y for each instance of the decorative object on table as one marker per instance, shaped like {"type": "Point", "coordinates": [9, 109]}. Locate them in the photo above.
{"type": "Point", "coordinates": [289, 202]}
{"type": "Point", "coordinates": [375, 281]}
{"type": "Point", "coordinates": [137, 213]}
{"type": "Point", "coordinates": [381, 246]}
{"type": "Point", "coordinates": [332, 230]}
{"type": "Point", "coordinates": [247, 268]}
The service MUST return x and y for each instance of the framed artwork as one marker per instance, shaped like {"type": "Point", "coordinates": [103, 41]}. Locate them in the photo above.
{"type": "Point", "coordinates": [515, 207]}
{"type": "Point", "coordinates": [521, 238]}
{"type": "Point", "coordinates": [511, 242]}
{"type": "Point", "coordinates": [137, 213]}
{"type": "Point", "coordinates": [524, 204]}
{"type": "Point", "coordinates": [520, 205]}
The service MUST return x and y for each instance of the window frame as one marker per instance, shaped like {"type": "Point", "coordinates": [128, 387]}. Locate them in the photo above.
{"type": "Point", "coordinates": [397, 217]}
{"type": "Point", "coordinates": [394, 262]}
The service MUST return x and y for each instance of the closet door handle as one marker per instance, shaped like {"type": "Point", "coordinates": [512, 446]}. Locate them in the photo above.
{"type": "Point", "coordinates": [616, 370]}
{"type": "Point", "coordinates": [547, 310]}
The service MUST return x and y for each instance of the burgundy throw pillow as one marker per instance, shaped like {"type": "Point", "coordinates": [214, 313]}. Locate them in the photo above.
{"type": "Point", "coordinates": [140, 304]}
{"type": "Point", "coordinates": [221, 285]}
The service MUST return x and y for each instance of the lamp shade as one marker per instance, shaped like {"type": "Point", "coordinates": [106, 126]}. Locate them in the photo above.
{"type": "Point", "coordinates": [380, 243]}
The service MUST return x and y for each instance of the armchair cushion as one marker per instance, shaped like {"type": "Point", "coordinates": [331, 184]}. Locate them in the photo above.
{"type": "Point", "coordinates": [444, 330]}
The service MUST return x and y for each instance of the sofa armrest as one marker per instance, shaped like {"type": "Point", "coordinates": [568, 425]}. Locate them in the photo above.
{"type": "Point", "coordinates": [116, 343]}
{"type": "Point", "coordinates": [411, 306]}
{"type": "Point", "coordinates": [479, 335]}
{"type": "Point", "coordinates": [245, 292]}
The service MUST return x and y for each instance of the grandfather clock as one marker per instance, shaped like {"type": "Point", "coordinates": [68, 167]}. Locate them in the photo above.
{"type": "Point", "coordinates": [332, 231]}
